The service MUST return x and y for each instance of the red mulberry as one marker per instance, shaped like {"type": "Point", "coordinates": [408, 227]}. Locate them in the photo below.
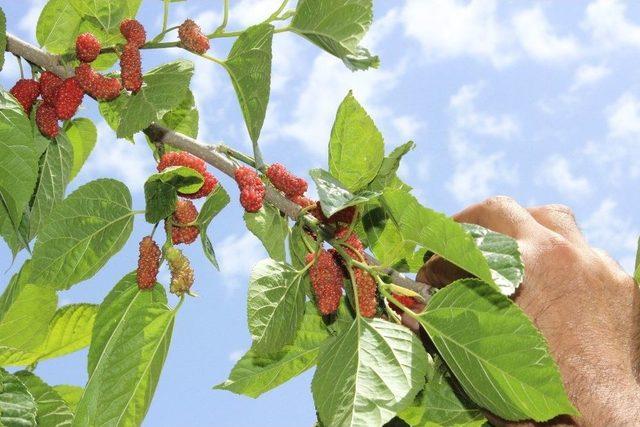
{"type": "Point", "coordinates": [95, 84]}
{"type": "Point", "coordinates": [192, 38]}
{"type": "Point", "coordinates": [148, 263]}
{"type": "Point", "coordinates": [182, 158]}
{"type": "Point", "coordinates": [131, 68]}
{"type": "Point", "coordinates": [68, 99]}
{"type": "Point", "coordinates": [185, 213]}
{"type": "Point", "coordinates": [326, 278]}
{"type": "Point", "coordinates": [47, 120]}
{"type": "Point", "coordinates": [87, 47]}
{"type": "Point", "coordinates": [133, 32]}
{"type": "Point", "coordinates": [367, 289]}
{"type": "Point", "coordinates": [49, 85]}
{"type": "Point", "coordinates": [182, 275]}
{"type": "Point", "coordinates": [26, 91]}
{"type": "Point", "coordinates": [252, 190]}
{"type": "Point", "coordinates": [352, 243]}
{"type": "Point", "coordinates": [405, 300]}
{"type": "Point", "coordinates": [285, 181]}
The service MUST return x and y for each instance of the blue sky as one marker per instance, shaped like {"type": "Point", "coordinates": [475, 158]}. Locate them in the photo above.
{"type": "Point", "coordinates": [528, 99]}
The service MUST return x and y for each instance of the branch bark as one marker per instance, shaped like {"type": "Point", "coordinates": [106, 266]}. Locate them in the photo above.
{"type": "Point", "coordinates": [212, 154]}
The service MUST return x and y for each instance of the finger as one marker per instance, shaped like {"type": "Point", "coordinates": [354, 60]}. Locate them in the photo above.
{"type": "Point", "coordinates": [439, 272]}
{"type": "Point", "coordinates": [503, 215]}
{"type": "Point", "coordinates": [560, 219]}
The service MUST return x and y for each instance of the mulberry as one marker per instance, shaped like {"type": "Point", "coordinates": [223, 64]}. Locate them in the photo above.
{"type": "Point", "coordinates": [148, 263]}
{"type": "Point", "coordinates": [182, 158]}
{"type": "Point", "coordinates": [49, 85]}
{"type": "Point", "coordinates": [87, 47]}
{"type": "Point", "coordinates": [285, 181]}
{"type": "Point", "coordinates": [185, 213]}
{"type": "Point", "coordinates": [192, 38]}
{"type": "Point", "coordinates": [353, 246]}
{"type": "Point", "coordinates": [367, 289]}
{"type": "Point", "coordinates": [26, 91]}
{"type": "Point", "coordinates": [252, 190]}
{"type": "Point", "coordinates": [131, 68]}
{"type": "Point", "coordinates": [133, 32]}
{"type": "Point", "coordinates": [95, 84]}
{"type": "Point", "coordinates": [47, 120]}
{"type": "Point", "coordinates": [182, 275]}
{"type": "Point", "coordinates": [405, 300]}
{"type": "Point", "coordinates": [326, 278]}
{"type": "Point", "coordinates": [209, 184]}
{"type": "Point", "coordinates": [305, 202]}
{"type": "Point", "coordinates": [68, 99]}
{"type": "Point", "coordinates": [346, 216]}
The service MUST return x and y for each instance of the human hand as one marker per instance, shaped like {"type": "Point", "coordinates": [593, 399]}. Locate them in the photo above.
{"type": "Point", "coordinates": [586, 306]}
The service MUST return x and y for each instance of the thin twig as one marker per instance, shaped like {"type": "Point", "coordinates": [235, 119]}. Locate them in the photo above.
{"type": "Point", "coordinates": [215, 155]}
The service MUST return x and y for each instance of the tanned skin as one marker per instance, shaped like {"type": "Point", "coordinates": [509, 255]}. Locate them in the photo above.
{"type": "Point", "coordinates": [586, 306]}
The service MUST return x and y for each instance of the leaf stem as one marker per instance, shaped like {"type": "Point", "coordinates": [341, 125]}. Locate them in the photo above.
{"type": "Point", "coordinates": [235, 154]}
{"type": "Point", "coordinates": [225, 20]}
{"type": "Point", "coordinates": [274, 15]}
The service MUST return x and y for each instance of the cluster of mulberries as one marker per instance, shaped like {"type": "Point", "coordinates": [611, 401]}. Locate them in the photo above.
{"type": "Point", "coordinates": [130, 61]}
{"type": "Point", "coordinates": [326, 279]}
{"type": "Point", "coordinates": [148, 263]}
{"type": "Point", "coordinates": [95, 84]}
{"type": "Point", "coordinates": [181, 158]}
{"type": "Point", "coordinates": [285, 181]}
{"type": "Point", "coordinates": [192, 38]}
{"type": "Point", "coordinates": [182, 275]}
{"type": "Point", "coordinates": [185, 214]}
{"type": "Point", "coordinates": [252, 190]}
{"type": "Point", "coordinates": [60, 100]}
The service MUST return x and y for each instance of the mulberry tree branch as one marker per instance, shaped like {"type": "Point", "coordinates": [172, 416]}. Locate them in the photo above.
{"type": "Point", "coordinates": [215, 155]}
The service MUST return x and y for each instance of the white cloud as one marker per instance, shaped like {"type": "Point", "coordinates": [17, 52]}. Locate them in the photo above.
{"type": "Point", "coordinates": [609, 26]}
{"type": "Point", "coordinates": [538, 40]}
{"type": "Point", "coordinates": [29, 19]}
{"type": "Point", "coordinates": [452, 29]}
{"type": "Point", "coordinates": [467, 117]}
{"type": "Point", "coordinates": [249, 12]}
{"type": "Point", "coordinates": [328, 82]}
{"type": "Point", "coordinates": [476, 173]}
{"type": "Point", "coordinates": [623, 117]}
{"type": "Point", "coordinates": [587, 75]}
{"type": "Point", "coordinates": [407, 126]}
{"type": "Point", "coordinates": [235, 253]}
{"type": "Point", "coordinates": [606, 229]}
{"type": "Point", "coordinates": [557, 173]}
{"type": "Point", "coordinates": [132, 163]}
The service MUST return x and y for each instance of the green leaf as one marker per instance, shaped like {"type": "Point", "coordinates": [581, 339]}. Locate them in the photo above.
{"type": "Point", "coordinates": [71, 394]}
{"type": "Point", "coordinates": [160, 200]}
{"type": "Point", "coordinates": [211, 207]}
{"type": "Point", "coordinates": [334, 196]}
{"type": "Point", "coordinates": [69, 330]}
{"type": "Point", "coordinates": [19, 155]}
{"type": "Point", "coordinates": [183, 118]}
{"type": "Point", "coordinates": [82, 134]}
{"type": "Point", "coordinates": [58, 26]}
{"type": "Point", "coordinates": [275, 305]}
{"type": "Point", "coordinates": [25, 313]}
{"type": "Point", "coordinates": [130, 342]}
{"type": "Point", "coordinates": [499, 357]}
{"type": "Point", "coordinates": [435, 232]}
{"type": "Point", "coordinates": [52, 410]}
{"type": "Point", "coordinates": [165, 88]}
{"type": "Point", "coordinates": [271, 228]}
{"type": "Point", "coordinates": [368, 373]}
{"type": "Point", "coordinates": [249, 66]}
{"type": "Point", "coordinates": [297, 247]}
{"type": "Point", "coordinates": [3, 37]}
{"type": "Point", "coordinates": [502, 255]}
{"type": "Point", "coordinates": [356, 147]}
{"type": "Point", "coordinates": [17, 406]}
{"type": "Point", "coordinates": [184, 179]}
{"type": "Point", "coordinates": [88, 227]}
{"type": "Point", "coordinates": [254, 375]}
{"type": "Point", "coordinates": [55, 168]}
{"type": "Point", "coordinates": [438, 404]}
{"type": "Point", "coordinates": [337, 26]}
{"type": "Point", "coordinates": [387, 172]}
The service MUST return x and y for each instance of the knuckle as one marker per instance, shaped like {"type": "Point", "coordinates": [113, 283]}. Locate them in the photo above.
{"type": "Point", "coordinates": [560, 249]}
{"type": "Point", "coordinates": [563, 209]}
{"type": "Point", "coordinates": [498, 203]}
